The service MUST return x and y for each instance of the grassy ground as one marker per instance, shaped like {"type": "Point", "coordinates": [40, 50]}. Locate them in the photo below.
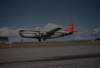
{"type": "Point", "coordinates": [49, 43]}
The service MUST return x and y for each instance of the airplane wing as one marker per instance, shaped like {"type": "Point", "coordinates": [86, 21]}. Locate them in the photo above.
{"type": "Point", "coordinates": [54, 30]}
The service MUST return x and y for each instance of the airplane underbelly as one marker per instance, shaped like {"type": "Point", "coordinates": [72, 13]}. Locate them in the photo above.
{"type": "Point", "coordinates": [27, 35]}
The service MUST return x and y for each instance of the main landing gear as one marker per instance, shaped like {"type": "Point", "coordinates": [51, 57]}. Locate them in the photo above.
{"type": "Point", "coordinates": [40, 39]}
{"type": "Point", "coordinates": [44, 39]}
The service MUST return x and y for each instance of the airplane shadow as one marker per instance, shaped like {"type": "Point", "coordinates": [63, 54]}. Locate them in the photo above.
{"type": "Point", "coordinates": [57, 58]}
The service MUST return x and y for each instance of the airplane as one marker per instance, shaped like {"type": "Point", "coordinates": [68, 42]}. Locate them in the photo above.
{"type": "Point", "coordinates": [55, 33]}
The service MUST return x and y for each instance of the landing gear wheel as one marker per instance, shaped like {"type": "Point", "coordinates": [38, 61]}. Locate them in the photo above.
{"type": "Point", "coordinates": [39, 40]}
{"type": "Point", "coordinates": [44, 39]}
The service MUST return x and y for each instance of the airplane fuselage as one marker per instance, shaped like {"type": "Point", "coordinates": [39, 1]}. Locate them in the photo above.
{"type": "Point", "coordinates": [42, 34]}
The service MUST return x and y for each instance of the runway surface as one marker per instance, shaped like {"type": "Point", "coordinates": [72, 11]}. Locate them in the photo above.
{"type": "Point", "coordinates": [51, 56]}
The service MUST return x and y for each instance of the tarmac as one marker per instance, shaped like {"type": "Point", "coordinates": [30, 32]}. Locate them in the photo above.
{"type": "Point", "coordinates": [51, 56]}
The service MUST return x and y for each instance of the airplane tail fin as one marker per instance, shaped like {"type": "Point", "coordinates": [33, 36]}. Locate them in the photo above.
{"type": "Point", "coordinates": [70, 27]}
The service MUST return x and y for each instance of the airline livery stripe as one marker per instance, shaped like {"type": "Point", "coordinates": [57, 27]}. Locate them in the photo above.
{"type": "Point", "coordinates": [26, 33]}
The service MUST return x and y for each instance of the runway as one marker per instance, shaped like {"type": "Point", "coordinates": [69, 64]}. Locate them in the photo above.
{"type": "Point", "coordinates": [46, 56]}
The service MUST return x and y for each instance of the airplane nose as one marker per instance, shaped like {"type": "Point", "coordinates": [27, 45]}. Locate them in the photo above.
{"type": "Point", "coordinates": [20, 32]}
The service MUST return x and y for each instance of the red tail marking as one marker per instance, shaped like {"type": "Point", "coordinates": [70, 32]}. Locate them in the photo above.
{"type": "Point", "coordinates": [70, 27]}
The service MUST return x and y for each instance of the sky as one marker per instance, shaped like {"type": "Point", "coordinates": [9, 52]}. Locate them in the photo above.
{"type": "Point", "coordinates": [49, 14]}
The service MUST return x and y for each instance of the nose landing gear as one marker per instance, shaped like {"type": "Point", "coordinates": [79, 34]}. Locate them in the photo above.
{"type": "Point", "coordinates": [44, 39]}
